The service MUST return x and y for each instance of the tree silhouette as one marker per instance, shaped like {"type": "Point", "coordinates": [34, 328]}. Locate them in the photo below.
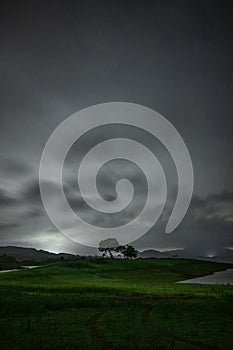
{"type": "Point", "coordinates": [108, 246]}
{"type": "Point", "coordinates": [127, 250]}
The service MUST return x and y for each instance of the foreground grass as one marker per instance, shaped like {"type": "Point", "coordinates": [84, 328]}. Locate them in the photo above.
{"type": "Point", "coordinates": [115, 304]}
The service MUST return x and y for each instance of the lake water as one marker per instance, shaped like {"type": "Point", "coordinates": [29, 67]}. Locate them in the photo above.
{"type": "Point", "coordinates": [222, 277]}
{"type": "Point", "coordinates": [3, 271]}
{"type": "Point", "coordinates": [24, 267]}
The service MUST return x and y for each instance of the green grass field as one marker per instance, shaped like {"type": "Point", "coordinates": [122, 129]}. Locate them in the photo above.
{"type": "Point", "coordinates": [115, 304]}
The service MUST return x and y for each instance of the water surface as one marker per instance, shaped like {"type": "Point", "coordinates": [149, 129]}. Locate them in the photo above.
{"type": "Point", "coordinates": [222, 277]}
{"type": "Point", "coordinates": [23, 267]}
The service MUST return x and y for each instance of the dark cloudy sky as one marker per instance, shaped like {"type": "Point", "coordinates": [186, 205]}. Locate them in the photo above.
{"type": "Point", "coordinates": [58, 57]}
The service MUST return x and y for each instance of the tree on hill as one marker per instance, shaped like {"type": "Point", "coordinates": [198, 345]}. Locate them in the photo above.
{"type": "Point", "coordinates": [108, 246]}
{"type": "Point", "coordinates": [127, 250]}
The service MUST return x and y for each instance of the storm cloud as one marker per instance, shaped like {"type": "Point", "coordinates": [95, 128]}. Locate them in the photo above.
{"type": "Point", "coordinates": [59, 57]}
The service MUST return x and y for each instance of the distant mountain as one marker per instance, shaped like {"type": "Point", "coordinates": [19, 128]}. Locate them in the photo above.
{"type": "Point", "coordinates": [223, 254]}
{"type": "Point", "coordinates": [151, 253]}
{"type": "Point", "coordinates": [27, 254]}
{"type": "Point", "coordinates": [32, 254]}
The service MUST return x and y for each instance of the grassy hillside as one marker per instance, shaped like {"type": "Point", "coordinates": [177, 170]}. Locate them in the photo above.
{"type": "Point", "coordinates": [8, 263]}
{"type": "Point", "coordinates": [115, 304]}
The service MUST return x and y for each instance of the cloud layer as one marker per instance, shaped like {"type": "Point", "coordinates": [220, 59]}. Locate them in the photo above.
{"type": "Point", "coordinates": [151, 53]}
{"type": "Point", "coordinates": [206, 227]}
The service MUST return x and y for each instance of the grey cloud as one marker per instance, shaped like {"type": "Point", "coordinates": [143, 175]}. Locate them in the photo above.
{"type": "Point", "coordinates": [204, 227]}
{"type": "Point", "coordinates": [13, 167]}
{"type": "Point", "coordinates": [216, 205]}
{"type": "Point", "coordinates": [7, 226]}
{"type": "Point", "coordinates": [199, 230]}
{"type": "Point", "coordinates": [32, 191]}
{"type": "Point", "coordinates": [172, 63]}
{"type": "Point", "coordinates": [106, 181]}
{"type": "Point", "coordinates": [7, 200]}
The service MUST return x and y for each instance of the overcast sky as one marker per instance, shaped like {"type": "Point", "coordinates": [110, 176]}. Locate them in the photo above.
{"type": "Point", "coordinates": [58, 57]}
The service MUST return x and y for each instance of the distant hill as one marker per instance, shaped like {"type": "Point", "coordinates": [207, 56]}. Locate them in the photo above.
{"type": "Point", "coordinates": [224, 254]}
{"type": "Point", "coordinates": [31, 254]}
{"type": "Point", "coordinates": [221, 254]}
{"type": "Point", "coordinates": [151, 253]}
